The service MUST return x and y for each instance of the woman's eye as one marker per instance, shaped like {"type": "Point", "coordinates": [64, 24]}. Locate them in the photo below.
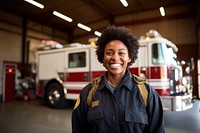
{"type": "Point", "coordinates": [121, 53]}
{"type": "Point", "coordinates": [109, 53]}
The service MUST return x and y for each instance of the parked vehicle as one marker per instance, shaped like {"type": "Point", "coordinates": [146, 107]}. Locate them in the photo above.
{"type": "Point", "coordinates": [62, 73]}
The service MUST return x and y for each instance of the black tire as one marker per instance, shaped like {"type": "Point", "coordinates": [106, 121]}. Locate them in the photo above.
{"type": "Point", "coordinates": [54, 96]}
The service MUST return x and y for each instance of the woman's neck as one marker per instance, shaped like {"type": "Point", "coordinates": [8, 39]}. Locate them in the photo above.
{"type": "Point", "coordinates": [115, 79]}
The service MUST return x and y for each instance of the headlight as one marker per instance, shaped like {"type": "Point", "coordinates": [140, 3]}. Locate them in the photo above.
{"type": "Point", "coordinates": [184, 81]}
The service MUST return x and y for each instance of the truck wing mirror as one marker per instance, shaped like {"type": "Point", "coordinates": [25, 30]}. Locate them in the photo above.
{"type": "Point", "coordinates": [33, 68]}
{"type": "Point", "coordinates": [191, 64]}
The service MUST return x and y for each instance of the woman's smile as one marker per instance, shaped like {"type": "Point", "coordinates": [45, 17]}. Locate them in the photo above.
{"type": "Point", "coordinates": [115, 65]}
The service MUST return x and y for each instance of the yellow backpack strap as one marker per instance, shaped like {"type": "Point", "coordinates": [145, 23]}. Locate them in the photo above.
{"type": "Point", "coordinates": [143, 90]}
{"type": "Point", "coordinates": [95, 83]}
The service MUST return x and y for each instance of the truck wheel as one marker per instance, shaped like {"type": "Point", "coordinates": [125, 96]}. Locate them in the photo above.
{"type": "Point", "coordinates": [55, 96]}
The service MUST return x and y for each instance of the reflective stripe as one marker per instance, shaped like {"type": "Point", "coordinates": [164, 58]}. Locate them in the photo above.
{"type": "Point", "coordinates": [75, 85]}
{"type": "Point", "coordinates": [77, 103]}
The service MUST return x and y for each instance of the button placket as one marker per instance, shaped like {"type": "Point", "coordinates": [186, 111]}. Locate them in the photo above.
{"type": "Point", "coordinates": [114, 117]}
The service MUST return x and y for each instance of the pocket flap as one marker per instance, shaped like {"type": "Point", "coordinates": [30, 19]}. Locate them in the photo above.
{"type": "Point", "coordinates": [136, 116]}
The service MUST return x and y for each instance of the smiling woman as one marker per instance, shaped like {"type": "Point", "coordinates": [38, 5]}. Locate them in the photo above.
{"type": "Point", "coordinates": [113, 102]}
{"type": "Point", "coordinates": [116, 59]}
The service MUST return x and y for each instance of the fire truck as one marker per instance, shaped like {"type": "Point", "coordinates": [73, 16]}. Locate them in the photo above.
{"type": "Point", "coordinates": [62, 73]}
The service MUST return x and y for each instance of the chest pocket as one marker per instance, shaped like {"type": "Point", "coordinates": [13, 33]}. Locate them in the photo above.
{"type": "Point", "coordinates": [139, 117]}
{"type": "Point", "coordinates": [94, 114]}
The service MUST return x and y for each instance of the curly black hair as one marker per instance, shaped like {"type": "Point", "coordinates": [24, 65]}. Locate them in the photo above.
{"type": "Point", "coordinates": [118, 33]}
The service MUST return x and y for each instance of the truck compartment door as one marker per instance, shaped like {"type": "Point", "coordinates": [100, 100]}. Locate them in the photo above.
{"type": "Point", "coordinates": [77, 73]}
{"type": "Point", "coordinates": [143, 69]}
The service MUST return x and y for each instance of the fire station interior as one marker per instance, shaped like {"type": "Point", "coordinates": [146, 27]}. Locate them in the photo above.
{"type": "Point", "coordinates": [26, 29]}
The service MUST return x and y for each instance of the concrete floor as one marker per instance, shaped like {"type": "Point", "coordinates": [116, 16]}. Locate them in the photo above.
{"type": "Point", "coordinates": [33, 117]}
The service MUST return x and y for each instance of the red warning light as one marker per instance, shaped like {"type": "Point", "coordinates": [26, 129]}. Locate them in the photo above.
{"type": "Point", "coordinates": [43, 41]}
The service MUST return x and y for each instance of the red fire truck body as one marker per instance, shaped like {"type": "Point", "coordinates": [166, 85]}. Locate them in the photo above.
{"type": "Point", "coordinates": [62, 73]}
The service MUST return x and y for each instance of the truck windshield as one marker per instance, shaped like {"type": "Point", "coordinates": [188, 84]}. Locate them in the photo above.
{"type": "Point", "coordinates": [163, 54]}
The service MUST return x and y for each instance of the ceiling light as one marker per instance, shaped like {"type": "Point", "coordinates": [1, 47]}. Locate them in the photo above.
{"type": "Point", "coordinates": [124, 3]}
{"type": "Point", "coordinates": [97, 33]}
{"type": "Point", "coordinates": [62, 16]}
{"type": "Point", "coordinates": [162, 11]}
{"type": "Point", "coordinates": [83, 27]}
{"type": "Point", "coordinates": [35, 3]}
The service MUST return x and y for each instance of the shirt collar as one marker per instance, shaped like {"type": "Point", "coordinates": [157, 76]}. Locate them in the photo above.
{"type": "Point", "coordinates": [103, 82]}
{"type": "Point", "coordinates": [126, 81]}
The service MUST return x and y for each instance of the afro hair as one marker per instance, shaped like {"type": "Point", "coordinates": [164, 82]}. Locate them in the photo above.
{"type": "Point", "coordinates": [118, 33]}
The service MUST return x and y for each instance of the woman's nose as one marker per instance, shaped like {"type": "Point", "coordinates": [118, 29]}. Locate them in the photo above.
{"type": "Point", "coordinates": [115, 56]}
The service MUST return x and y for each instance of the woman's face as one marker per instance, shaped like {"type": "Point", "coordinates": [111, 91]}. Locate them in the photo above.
{"type": "Point", "coordinates": [116, 57]}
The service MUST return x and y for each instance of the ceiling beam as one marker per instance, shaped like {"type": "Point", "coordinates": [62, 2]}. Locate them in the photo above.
{"type": "Point", "coordinates": [157, 19]}
{"type": "Point", "coordinates": [94, 4]}
{"type": "Point", "coordinates": [145, 21]}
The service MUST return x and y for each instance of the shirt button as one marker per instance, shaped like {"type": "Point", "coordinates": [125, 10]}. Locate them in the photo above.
{"type": "Point", "coordinates": [114, 117]}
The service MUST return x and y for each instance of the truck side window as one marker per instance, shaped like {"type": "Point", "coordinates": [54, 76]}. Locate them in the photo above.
{"type": "Point", "coordinates": [155, 51]}
{"type": "Point", "coordinates": [77, 60]}
{"type": "Point", "coordinates": [157, 54]}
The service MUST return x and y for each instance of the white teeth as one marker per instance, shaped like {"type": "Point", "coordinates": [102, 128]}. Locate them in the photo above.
{"type": "Point", "coordinates": [115, 65]}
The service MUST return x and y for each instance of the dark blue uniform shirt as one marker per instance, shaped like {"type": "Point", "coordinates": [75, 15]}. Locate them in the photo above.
{"type": "Point", "coordinates": [118, 111]}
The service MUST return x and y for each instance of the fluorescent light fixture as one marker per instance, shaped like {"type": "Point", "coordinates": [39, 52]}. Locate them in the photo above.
{"type": "Point", "coordinates": [62, 16]}
{"type": "Point", "coordinates": [124, 3]}
{"type": "Point", "coordinates": [83, 27]}
{"type": "Point", "coordinates": [97, 33]}
{"type": "Point", "coordinates": [162, 11]}
{"type": "Point", "coordinates": [35, 3]}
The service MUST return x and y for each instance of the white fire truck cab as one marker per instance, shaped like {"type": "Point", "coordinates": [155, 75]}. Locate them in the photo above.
{"type": "Point", "coordinates": [62, 73]}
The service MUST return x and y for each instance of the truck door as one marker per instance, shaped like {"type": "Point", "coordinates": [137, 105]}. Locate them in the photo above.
{"type": "Point", "coordinates": [143, 58]}
{"type": "Point", "coordinates": [77, 73]}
